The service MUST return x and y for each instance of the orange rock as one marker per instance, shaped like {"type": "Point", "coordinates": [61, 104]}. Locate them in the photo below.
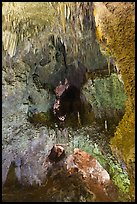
{"type": "Point", "coordinates": [94, 176]}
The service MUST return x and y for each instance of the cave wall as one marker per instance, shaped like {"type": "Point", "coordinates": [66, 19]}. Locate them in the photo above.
{"type": "Point", "coordinates": [115, 30]}
{"type": "Point", "coordinates": [73, 22]}
{"type": "Point", "coordinates": [28, 46]}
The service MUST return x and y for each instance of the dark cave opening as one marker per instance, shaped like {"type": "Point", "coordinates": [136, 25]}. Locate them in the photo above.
{"type": "Point", "coordinates": [71, 108]}
{"type": "Point", "coordinates": [70, 101]}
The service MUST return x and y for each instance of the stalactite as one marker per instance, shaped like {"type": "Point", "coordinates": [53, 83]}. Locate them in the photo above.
{"type": "Point", "coordinates": [62, 12]}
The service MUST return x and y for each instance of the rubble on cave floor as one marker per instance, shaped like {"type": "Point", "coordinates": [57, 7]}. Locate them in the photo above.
{"type": "Point", "coordinates": [76, 177]}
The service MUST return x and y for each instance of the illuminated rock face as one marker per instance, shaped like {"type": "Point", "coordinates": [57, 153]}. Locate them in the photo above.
{"type": "Point", "coordinates": [78, 176]}
{"type": "Point", "coordinates": [115, 29]}
{"type": "Point", "coordinates": [34, 63]}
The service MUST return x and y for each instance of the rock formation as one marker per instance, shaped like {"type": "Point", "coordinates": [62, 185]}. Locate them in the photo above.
{"type": "Point", "coordinates": [64, 65]}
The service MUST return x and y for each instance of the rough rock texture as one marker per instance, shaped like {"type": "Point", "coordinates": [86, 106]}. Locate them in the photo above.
{"type": "Point", "coordinates": [43, 44]}
{"type": "Point", "coordinates": [25, 22]}
{"type": "Point", "coordinates": [78, 177]}
{"type": "Point", "coordinates": [115, 30]}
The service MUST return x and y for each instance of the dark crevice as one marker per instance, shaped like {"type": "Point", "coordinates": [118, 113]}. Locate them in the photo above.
{"type": "Point", "coordinates": [69, 102]}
